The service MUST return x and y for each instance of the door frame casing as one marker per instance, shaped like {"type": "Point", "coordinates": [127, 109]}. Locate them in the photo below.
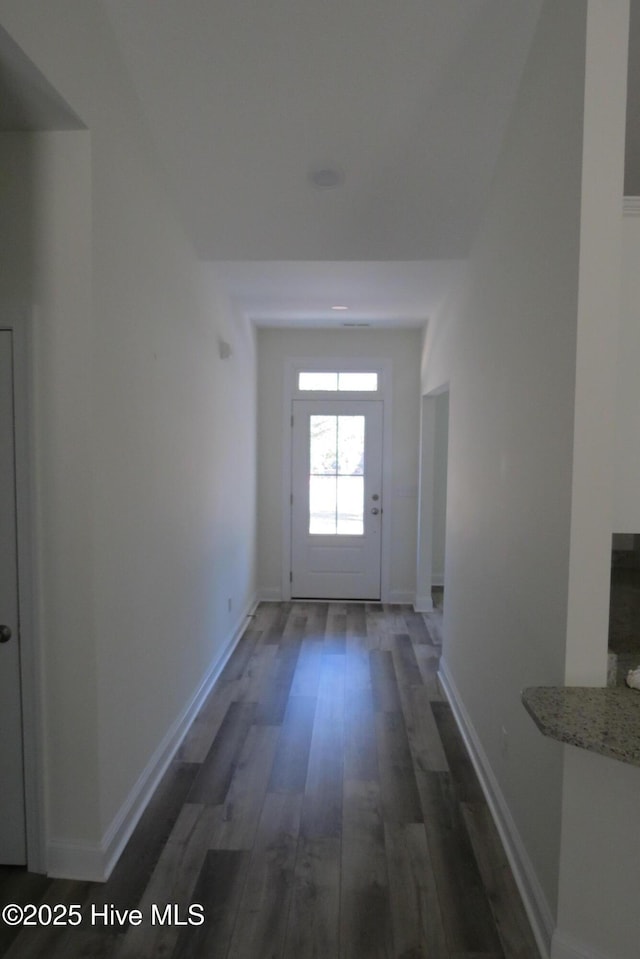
{"type": "Point", "coordinates": [16, 319]}
{"type": "Point", "coordinates": [384, 367]}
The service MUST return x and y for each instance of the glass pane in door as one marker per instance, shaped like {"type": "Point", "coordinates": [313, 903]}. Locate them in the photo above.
{"type": "Point", "coordinates": [336, 475]}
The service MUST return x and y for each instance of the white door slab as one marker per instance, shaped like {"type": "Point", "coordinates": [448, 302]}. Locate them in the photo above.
{"type": "Point", "coordinates": [12, 801]}
{"type": "Point", "coordinates": [337, 513]}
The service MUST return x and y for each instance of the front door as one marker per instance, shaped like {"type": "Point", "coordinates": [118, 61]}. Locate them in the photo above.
{"type": "Point", "coordinates": [336, 499]}
{"type": "Point", "coordinates": [12, 814]}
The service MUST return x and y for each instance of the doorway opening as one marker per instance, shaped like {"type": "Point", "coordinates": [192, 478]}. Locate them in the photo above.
{"type": "Point", "coordinates": [21, 828]}
{"type": "Point", "coordinates": [336, 469]}
{"type": "Point", "coordinates": [434, 456]}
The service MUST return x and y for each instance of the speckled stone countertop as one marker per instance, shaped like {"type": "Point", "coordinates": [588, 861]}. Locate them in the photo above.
{"type": "Point", "coordinates": [604, 720]}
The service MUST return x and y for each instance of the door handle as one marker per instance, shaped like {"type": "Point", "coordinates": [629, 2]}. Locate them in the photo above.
{"type": "Point", "coordinates": [375, 510]}
{"type": "Point", "coordinates": [5, 634]}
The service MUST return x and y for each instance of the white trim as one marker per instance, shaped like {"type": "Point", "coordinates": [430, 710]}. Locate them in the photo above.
{"type": "Point", "coordinates": [564, 947]}
{"type": "Point", "coordinates": [94, 862]}
{"type": "Point", "coordinates": [534, 900]}
{"type": "Point", "coordinates": [631, 206]}
{"type": "Point", "coordinates": [401, 597]}
{"type": "Point", "coordinates": [383, 366]}
{"type": "Point", "coordinates": [17, 319]}
{"type": "Point", "coordinates": [423, 604]}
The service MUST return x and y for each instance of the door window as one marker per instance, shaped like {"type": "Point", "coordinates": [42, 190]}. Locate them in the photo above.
{"type": "Point", "coordinates": [337, 382]}
{"type": "Point", "coordinates": [336, 475]}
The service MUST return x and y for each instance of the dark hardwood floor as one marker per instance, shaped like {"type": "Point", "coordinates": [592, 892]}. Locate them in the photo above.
{"type": "Point", "coordinates": [322, 805]}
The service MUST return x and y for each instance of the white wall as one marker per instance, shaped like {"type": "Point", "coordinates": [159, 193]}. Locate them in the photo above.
{"type": "Point", "coordinates": [144, 440]}
{"type": "Point", "coordinates": [440, 457]}
{"type": "Point", "coordinates": [626, 505]}
{"type": "Point", "coordinates": [505, 342]}
{"type": "Point", "coordinates": [402, 347]}
{"type": "Point", "coordinates": [599, 855]}
{"type": "Point", "coordinates": [45, 242]}
{"type": "Point", "coordinates": [528, 345]}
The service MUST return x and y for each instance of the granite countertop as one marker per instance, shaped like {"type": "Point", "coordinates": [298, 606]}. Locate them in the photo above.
{"type": "Point", "coordinates": [604, 720]}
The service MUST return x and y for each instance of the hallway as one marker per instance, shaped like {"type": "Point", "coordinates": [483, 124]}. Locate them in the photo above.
{"type": "Point", "coordinates": [322, 805]}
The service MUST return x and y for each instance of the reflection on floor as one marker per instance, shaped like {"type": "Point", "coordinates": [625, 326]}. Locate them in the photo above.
{"type": "Point", "coordinates": [322, 805]}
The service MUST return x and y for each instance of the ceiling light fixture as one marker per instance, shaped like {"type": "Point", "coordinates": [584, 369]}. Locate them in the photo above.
{"type": "Point", "coordinates": [326, 178]}
{"type": "Point", "coordinates": [339, 307]}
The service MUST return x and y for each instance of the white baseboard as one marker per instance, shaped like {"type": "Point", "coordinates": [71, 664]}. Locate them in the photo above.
{"type": "Point", "coordinates": [423, 604]}
{"type": "Point", "coordinates": [401, 597]}
{"type": "Point", "coordinates": [94, 862]}
{"type": "Point", "coordinates": [564, 947]}
{"type": "Point", "coordinates": [269, 594]}
{"type": "Point", "coordinates": [534, 900]}
{"type": "Point", "coordinates": [66, 860]}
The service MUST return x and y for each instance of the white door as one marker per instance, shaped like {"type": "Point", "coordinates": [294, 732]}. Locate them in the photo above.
{"type": "Point", "coordinates": [336, 520]}
{"type": "Point", "coordinates": [12, 814]}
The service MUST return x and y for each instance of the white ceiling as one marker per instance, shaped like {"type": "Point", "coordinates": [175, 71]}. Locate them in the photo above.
{"type": "Point", "coordinates": [298, 293]}
{"type": "Point", "coordinates": [407, 99]}
{"type": "Point", "coordinates": [27, 100]}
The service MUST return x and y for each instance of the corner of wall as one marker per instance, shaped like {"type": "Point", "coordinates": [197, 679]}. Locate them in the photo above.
{"type": "Point", "coordinates": [533, 898]}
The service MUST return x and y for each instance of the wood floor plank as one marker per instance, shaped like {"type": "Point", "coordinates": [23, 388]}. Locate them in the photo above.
{"type": "Point", "coordinates": [237, 662]}
{"type": "Point", "coordinates": [417, 628]}
{"type": "Point", "coordinates": [376, 625]}
{"type": "Point", "coordinates": [59, 942]}
{"type": "Point", "coordinates": [428, 659]}
{"type": "Point", "coordinates": [272, 704]}
{"type": "Point", "coordinates": [214, 776]}
{"type": "Point", "coordinates": [425, 743]}
{"type": "Point", "coordinates": [328, 753]}
{"type": "Point", "coordinates": [307, 673]}
{"type": "Point", "coordinates": [257, 675]}
{"type": "Point", "coordinates": [405, 662]}
{"type": "Point", "coordinates": [317, 621]}
{"type": "Point", "coordinates": [466, 915]}
{"type": "Point", "coordinates": [218, 890]}
{"type": "Point", "coordinates": [262, 916]}
{"type": "Point", "coordinates": [398, 787]}
{"type": "Point", "coordinates": [417, 922]}
{"type": "Point", "coordinates": [357, 664]}
{"type": "Point", "coordinates": [360, 742]}
{"type": "Point", "coordinates": [243, 803]}
{"type": "Point", "coordinates": [504, 898]}
{"type": "Point", "coordinates": [20, 887]}
{"type": "Point", "coordinates": [289, 769]}
{"type": "Point", "coordinates": [433, 622]}
{"type": "Point", "coordinates": [313, 926]}
{"type": "Point", "coordinates": [356, 620]}
{"type": "Point", "coordinates": [296, 626]}
{"type": "Point", "coordinates": [173, 882]}
{"type": "Point", "coordinates": [383, 681]}
{"type": "Point", "coordinates": [477, 955]}
{"type": "Point", "coordinates": [204, 729]}
{"type": "Point", "coordinates": [336, 629]}
{"type": "Point", "coordinates": [365, 912]}
{"type": "Point", "coordinates": [273, 620]}
{"type": "Point", "coordinates": [135, 867]}
{"type": "Point", "coordinates": [322, 806]}
{"type": "Point", "coordinates": [460, 764]}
